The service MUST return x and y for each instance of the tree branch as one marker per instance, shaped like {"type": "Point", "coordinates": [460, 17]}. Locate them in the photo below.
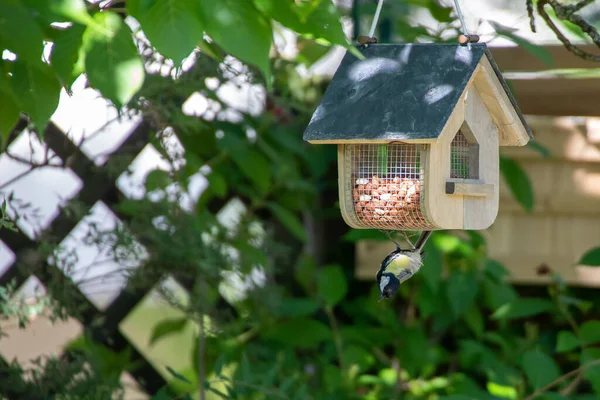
{"type": "Point", "coordinates": [561, 379]}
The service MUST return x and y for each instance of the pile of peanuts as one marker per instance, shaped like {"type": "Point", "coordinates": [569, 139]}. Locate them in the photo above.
{"type": "Point", "coordinates": [388, 200]}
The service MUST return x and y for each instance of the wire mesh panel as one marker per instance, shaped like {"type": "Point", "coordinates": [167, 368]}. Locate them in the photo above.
{"type": "Point", "coordinates": [383, 186]}
{"type": "Point", "coordinates": [463, 155]}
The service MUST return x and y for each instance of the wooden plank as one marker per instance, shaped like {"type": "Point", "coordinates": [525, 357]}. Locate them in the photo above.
{"type": "Point", "coordinates": [475, 189]}
{"type": "Point", "coordinates": [519, 59]}
{"type": "Point", "coordinates": [558, 97]}
{"type": "Point", "coordinates": [480, 212]}
{"type": "Point", "coordinates": [511, 131]}
{"type": "Point", "coordinates": [444, 211]}
{"type": "Point", "coordinates": [566, 139]}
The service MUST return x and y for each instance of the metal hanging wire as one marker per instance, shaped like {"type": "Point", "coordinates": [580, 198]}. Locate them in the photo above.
{"type": "Point", "coordinates": [375, 18]}
{"type": "Point", "coordinates": [462, 22]}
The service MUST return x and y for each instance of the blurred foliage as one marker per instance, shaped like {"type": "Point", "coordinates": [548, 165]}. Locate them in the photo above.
{"type": "Point", "coordinates": [300, 326]}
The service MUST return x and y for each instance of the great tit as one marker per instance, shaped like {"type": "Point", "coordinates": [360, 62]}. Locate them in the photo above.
{"type": "Point", "coordinates": [399, 266]}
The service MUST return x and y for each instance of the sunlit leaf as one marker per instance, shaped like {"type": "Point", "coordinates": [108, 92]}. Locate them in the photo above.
{"type": "Point", "coordinates": [506, 392]}
{"type": "Point", "coordinates": [240, 29]}
{"type": "Point", "coordinates": [73, 10]}
{"type": "Point", "coordinates": [172, 27]}
{"type": "Point", "coordinates": [112, 62]}
{"type": "Point", "coordinates": [167, 327]}
{"type": "Point", "coordinates": [177, 375]}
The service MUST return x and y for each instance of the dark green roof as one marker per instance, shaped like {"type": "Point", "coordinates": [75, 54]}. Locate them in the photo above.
{"type": "Point", "coordinates": [399, 92]}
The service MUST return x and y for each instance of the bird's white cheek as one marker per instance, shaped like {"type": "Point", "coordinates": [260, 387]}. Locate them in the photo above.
{"type": "Point", "coordinates": [384, 281]}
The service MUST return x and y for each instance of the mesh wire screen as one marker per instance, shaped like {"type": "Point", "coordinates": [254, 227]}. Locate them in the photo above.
{"type": "Point", "coordinates": [460, 157]}
{"type": "Point", "coordinates": [383, 186]}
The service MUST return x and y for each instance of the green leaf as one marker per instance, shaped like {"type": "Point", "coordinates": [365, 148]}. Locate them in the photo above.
{"type": "Point", "coordinates": [249, 161]}
{"type": "Point", "coordinates": [331, 284]}
{"type": "Point", "coordinates": [591, 373]}
{"type": "Point", "coordinates": [518, 182]}
{"type": "Point", "coordinates": [507, 392]}
{"type": "Point", "coordinates": [73, 10]}
{"type": "Point", "coordinates": [461, 291]}
{"type": "Point", "coordinates": [322, 23]}
{"type": "Point", "coordinates": [19, 32]}
{"type": "Point", "coordinates": [543, 150]}
{"type": "Point", "coordinates": [67, 56]}
{"type": "Point", "coordinates": [310, 51]}
{"type": "Point", "coordinates": [289, 220]}
{"type": "Point", "coordinates": [304, 272]}
{"type": "Point", "coordinates": [354, 235]}
{"type": "Point", "coordinates": [583, 305]}
{"type": "Point", "coordinates": [474, 320]}
{"type": "Point", "coordinates": [217, 183]}
{"type": "Point", "coordinates": [112, 63]}
{"type": "Point", "coordinates": [38, 91]}
{"type": "Point", "coordinates": [358, 356]}
{"type": "Point", "coordinates": [162, 394]}
{"type": "Point", "coordinates": [240, 29]}
{"type": "Point", "coordinates": [498, 294]}
{"type": "Point", "coordinates": [432, 266]}
{"type": "Point", "coordinates": [300, 332]}
{"type": "Point", "coordinates": [167, 327]}
{"type": "Point", "coordinates": [566, 341]}
{"type": "Point", "coordinates": [9, 116]}
{"type": "Point", "coordinates": [538, 51]}
{"type": "Point", "coordinates": [522, 308]}
{"type": "Point", "coordinates": [441, 14]}
{"type": "Point", "coordinates": [172, 26]}
{"type": "Point", "coordinates": [157, 179]}
{"type": "Point", "coordinates": [590, 258]}
{"type": "Point", "coordinates": [539, 368]}
{"type": "Point", "coordinates": [177, 375]}
{"type": "Point", "coordinates": [297, 307]}
{"type": "Point", "coordinates": [589, 333]}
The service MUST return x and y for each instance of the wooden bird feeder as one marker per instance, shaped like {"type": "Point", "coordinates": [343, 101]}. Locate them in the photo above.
{"type": "Point", "coordinates": [418, 129]}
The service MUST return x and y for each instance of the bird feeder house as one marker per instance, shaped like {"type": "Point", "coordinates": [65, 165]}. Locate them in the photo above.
{"type": "Point", "coordinates": [418, 129]}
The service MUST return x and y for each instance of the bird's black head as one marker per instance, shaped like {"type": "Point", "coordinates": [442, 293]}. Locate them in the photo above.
{"type": "Point", "coordinates": [388, 285]}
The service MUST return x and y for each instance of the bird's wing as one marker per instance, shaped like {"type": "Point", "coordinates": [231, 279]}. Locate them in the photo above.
{"type": "Point", "coordinates": [385, 261]}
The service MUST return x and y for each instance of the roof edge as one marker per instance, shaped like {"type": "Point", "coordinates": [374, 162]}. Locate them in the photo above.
{"type": "Point", "coordinates": [504, 85]}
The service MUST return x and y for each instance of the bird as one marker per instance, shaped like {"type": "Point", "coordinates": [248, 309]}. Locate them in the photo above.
{"type": "Point", "coordinates": [399, 266]}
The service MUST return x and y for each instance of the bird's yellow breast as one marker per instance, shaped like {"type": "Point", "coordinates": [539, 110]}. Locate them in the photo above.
{"type": "Point", "coordinates": [399, 263]}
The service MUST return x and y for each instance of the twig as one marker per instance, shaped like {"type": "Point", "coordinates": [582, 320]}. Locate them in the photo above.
{"type": "Point", "coordinates": [561, 379]}
{"type": "Point", "coordinates": [565, 12]}
{"type": "Point", "coordinates": [572, 386]}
